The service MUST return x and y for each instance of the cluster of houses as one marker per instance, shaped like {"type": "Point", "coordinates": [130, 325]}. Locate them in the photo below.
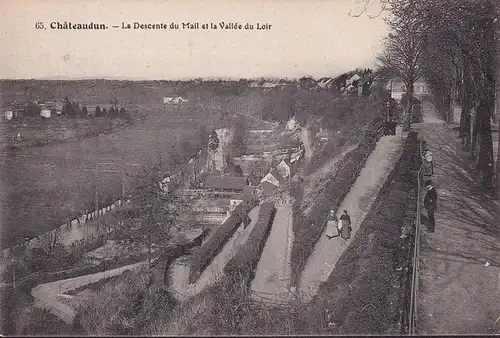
{"type": "Point", "coordinates": [228, 191]}
{"type": "Point", "coordinates": [45, 109]}
{"type": "Point", "coordinates": [48, 109]}
{"type": "Point", "coordinates": [357, 83]}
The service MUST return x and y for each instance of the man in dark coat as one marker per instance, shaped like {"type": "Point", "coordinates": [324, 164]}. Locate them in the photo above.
{"type": "Point", "coordinates": [430, 204]}
{"type": "Point", "coordinates": [346, 229]}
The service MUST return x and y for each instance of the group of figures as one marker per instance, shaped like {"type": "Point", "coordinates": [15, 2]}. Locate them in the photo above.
{"type": "Point", "coordinates": [339, 227]}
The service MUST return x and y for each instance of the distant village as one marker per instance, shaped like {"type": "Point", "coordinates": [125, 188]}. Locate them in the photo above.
{"type": "Point", "coordinates": [57, 108]}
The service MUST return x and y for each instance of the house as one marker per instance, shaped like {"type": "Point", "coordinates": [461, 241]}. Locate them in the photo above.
{"type": "Point", "coordinates": [421, 88]}
{"type": "Point", "coordinates": [9, 115]}
{"type": "Point", "coordinates": [225, 183]}
{"type": "Point", "coordinates": [284, 169]}
{"type": "Point", "coordinates": [291, 124]}
{"type": "Point", "coordinates": [248, 194]}
{"type": "Point", "coordinates": [271, 179]}
{"type": "Point", "coordinates": [179, 100]}
{"type": "Point", "coordinates": [352, 80]}
{"type": "Point", "coordinates": [398, 88]}
{"type": "Point", "coordinates": [325, 83]}
{"type": "Point", "coordinates": [266, 189]}
{"type": "Point", "coordinates": [168, 100]}
{"type": "Point", "coordinates": [45, 113]}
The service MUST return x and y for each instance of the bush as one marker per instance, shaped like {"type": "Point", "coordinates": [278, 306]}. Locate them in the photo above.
{"type": "Point", "coordinates": [125, 305]}
{"type": "Point", "coordinates": [218, 239]}
{"type": "Point", "coordinates": [243, 264]}
{"type": "Point", "coordinates": [307, 230]}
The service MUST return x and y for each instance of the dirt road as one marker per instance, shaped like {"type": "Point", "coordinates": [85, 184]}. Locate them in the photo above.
{"type": "Point", "coordinates": [272, 277]}
{"type": "Point", "coordinates": [460, 263]}
{"type": "Point", "coordinates": [357, 202]}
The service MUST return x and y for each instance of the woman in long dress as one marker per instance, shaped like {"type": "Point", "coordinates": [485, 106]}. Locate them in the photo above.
{"type": "Point", "coordinates": [345, 226]}
{"type": "Point", "coordinates": [332, 226]}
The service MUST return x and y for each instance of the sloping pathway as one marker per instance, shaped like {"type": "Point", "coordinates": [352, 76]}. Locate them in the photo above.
{"type": "Point", "coordinates": [357, 202]}
{"type": "Point", "coordinates": [272, 277]}
{"type": "Point", "coordinates": [48, 295]}
{"type": "Point", "coordinates": [459, 275]}
{"type": "Point", "coordinates": [179, 271]}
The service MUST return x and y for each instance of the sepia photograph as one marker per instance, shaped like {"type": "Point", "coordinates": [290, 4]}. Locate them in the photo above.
{"type": "Point", "coordinates": [257, 168]}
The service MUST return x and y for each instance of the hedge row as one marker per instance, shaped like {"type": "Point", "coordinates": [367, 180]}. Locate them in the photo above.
{"type": "Point", "coordinates": [308, 230]}
{"type": "Point", "coordinates": [216, 242]}
{"type": "Point", "coordinates": [242, 266]}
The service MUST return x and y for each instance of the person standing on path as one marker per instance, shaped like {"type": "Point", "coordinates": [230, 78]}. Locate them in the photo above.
{"type": "Point", "coordinates": [345, 225]}
{"type": "Point", "coordinates": [332, 224]}
{"type": "Point", "coordinates": [430, 204]}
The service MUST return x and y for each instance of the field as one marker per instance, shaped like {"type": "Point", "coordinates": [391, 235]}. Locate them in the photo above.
{"type": "Point", "coordinates": [40, 131]}
{"type": "Point", "coordinates": [44, 186]}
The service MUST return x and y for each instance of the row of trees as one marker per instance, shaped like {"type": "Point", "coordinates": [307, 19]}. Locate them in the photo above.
{"type": "Point", "coordinates": [72, 109]}
{"type": "Point", "coordinates": [453, 44]}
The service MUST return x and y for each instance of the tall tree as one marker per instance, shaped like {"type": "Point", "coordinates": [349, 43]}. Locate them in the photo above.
{"type": "Point", "coordinates": [403, 47]}
{"type": "Point", "coordinates": [151, 223]}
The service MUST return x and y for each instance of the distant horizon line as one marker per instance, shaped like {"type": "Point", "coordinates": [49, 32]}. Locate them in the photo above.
{"type": "Point", "coordinates": [207, 78]}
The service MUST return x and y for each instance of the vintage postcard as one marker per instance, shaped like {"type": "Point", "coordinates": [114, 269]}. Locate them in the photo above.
{"type": "Point", "coordinates": [266, 167]}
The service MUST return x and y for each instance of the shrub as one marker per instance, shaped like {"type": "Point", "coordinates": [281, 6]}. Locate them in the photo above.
{"type": "Point", "coordinates": [243, 264]}
{"type": "Point", "coordinates": [218, 239]}
{"type": "Point", "coordinates": [125, 305]}
{"type": "Point", "coordinates": [307, 230]}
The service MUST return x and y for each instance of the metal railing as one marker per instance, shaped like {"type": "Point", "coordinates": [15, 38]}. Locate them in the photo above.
{"type": "Point", "coordinates": [416, 256]}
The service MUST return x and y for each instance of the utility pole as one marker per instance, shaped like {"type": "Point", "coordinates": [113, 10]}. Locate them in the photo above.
{"type": "Point", "coordinates": [14, 277]}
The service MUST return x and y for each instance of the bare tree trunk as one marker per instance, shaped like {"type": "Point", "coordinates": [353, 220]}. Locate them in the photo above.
{"type": "Point", "coordinates": [475, 134]}
{"type": "Point", "coordinates": [487, 106]}
{"type": "Point", "coordinates": [465, 130]}
{"type": "Point", "coordinates": [409, 105]}
{"type": "Point", "coordinates": [485, 155]}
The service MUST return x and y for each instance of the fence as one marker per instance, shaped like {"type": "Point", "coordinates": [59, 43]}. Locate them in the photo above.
{"type": "Point", "coordinates": [412, 318]}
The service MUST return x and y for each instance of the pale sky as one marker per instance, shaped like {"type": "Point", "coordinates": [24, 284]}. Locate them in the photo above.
{"type": "Point", "coordinates": [316, 38]}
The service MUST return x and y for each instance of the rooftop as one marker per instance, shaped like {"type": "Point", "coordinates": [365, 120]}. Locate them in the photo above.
{"type": "Point", "coordinates": [225, 182]}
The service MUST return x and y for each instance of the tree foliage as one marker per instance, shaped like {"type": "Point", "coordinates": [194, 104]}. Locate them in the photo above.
{"type": "Point", "coordinates": [453, 44]}
{"type": "Point", "coordinates": [152, 219]}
